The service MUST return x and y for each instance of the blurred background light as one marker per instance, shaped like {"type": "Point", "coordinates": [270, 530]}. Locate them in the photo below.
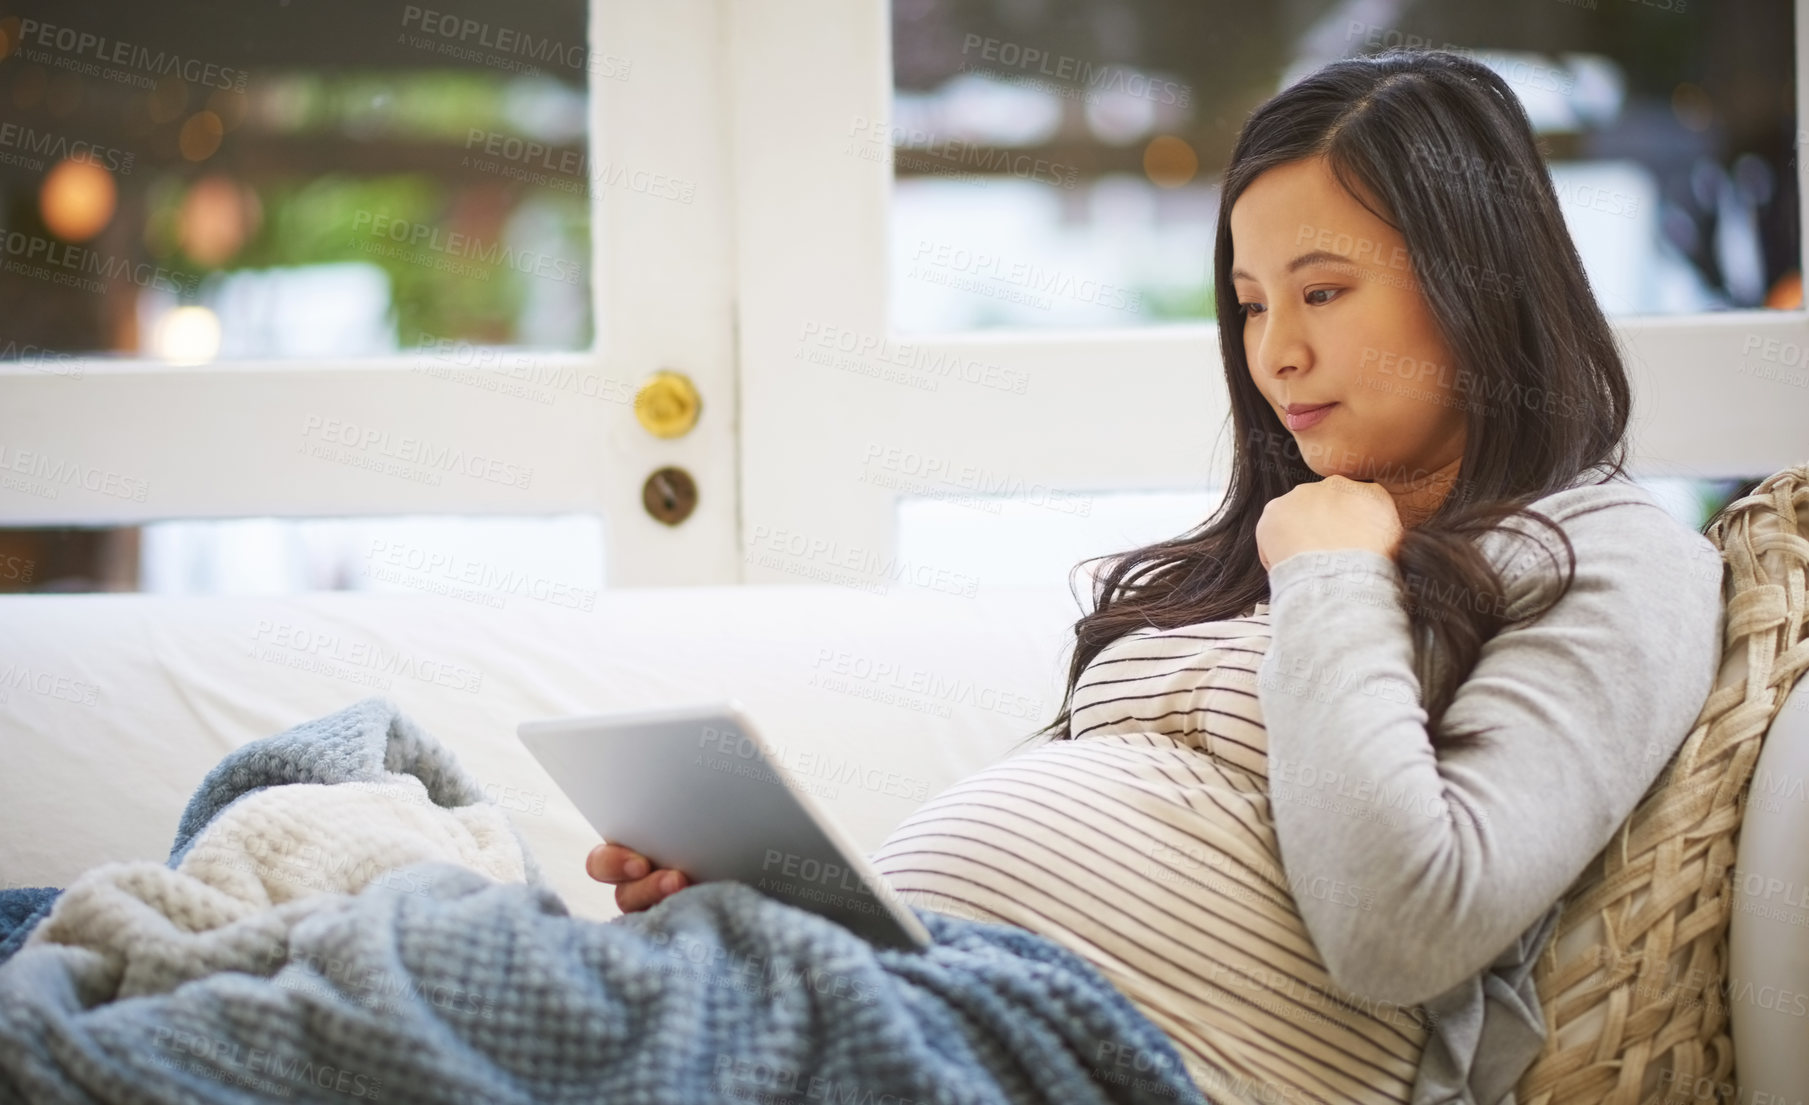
{"type": "Point", "coordinates": [200, 137]}
{"type": "Point", "coordinates": [188, 336]}
{"type": "Point", "coordinates": [77, 199]}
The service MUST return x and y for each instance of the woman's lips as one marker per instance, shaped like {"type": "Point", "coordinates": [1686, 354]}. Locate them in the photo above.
{"type": "Point", "coordinates": [1308, 418]}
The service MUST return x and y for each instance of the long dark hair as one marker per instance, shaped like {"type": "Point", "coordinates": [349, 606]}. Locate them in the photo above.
{"type": "Point", "coordinates": [1437, 146]}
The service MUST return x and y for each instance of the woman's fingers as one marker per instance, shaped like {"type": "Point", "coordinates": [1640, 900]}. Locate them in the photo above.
{"type": "Point", "coordinates": [637, 885]}
{"type": "Point", "coordinates": [615, 863]}
{"type": "Point", "coordinates": [648, 892]}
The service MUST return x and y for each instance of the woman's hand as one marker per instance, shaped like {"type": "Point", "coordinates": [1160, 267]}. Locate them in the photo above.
{"type": "Point", "coordinates": [1334, 513]}
{"type": "Point", "coordinates": [638, 885]}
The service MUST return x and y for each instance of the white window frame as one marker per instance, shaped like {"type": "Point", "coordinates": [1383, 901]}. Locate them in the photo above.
{"type": "Point", "coordinates": [1103, 411]}
{"type": "Point", "coordinates": [222, 440]}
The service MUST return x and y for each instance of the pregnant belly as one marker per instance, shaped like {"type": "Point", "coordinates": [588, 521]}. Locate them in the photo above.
{"type": "Point", "coordinates": [1158, 864]}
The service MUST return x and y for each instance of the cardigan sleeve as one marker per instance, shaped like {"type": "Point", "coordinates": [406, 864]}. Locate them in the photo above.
{"type": "Point", "coordinates": [1453, 855]}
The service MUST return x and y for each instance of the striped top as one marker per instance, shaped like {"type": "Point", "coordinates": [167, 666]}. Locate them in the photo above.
{"type": "Point", "coordinates": [1146, 846]}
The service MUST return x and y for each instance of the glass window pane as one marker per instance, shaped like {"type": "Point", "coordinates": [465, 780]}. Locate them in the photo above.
{"type": "Point", "coordinates": [1058, 164]}
{"type": "Point", "coordinates": [1008, 541]}
{"type": "Point", "coordinates": [1014, 541]}
{"type": "Point", "coordinates": [495, 562]}
{"type": "Point", "coordinates": [186, 182]}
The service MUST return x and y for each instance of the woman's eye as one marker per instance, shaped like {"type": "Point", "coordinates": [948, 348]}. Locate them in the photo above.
{"type": "Point", "coordinates": [1249, 309]}
{"type": "Point", "coordinates": [1328, 292]}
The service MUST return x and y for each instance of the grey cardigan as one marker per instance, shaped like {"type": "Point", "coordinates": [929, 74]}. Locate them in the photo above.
{"type": "Point", "coordinates": [1466, 854]}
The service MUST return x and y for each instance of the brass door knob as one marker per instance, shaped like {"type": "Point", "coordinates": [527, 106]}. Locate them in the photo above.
{"type": "Point", "coordinates": [667, 404]}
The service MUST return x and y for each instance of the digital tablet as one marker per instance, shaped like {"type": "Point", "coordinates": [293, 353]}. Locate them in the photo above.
{"type": "Point", "coordinates": [699, 790]}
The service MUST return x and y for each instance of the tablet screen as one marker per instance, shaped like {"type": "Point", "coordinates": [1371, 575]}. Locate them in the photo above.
{"type": "Point", "coordinates": [697, 789]}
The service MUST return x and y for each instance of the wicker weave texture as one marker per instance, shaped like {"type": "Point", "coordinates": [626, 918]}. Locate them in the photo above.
{"type": "Point", "coordinates": [1632, 983]}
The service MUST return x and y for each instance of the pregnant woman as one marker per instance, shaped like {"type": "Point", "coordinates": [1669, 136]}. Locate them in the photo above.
{"type": "Point", "coordinates": [1327, 764]}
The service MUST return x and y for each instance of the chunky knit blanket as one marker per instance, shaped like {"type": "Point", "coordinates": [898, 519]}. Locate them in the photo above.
{"type": "Point", "coordinates": [345, 918]}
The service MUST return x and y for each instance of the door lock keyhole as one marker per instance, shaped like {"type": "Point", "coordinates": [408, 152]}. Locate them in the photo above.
{"type": "Point", "coordinates": [670, 494]}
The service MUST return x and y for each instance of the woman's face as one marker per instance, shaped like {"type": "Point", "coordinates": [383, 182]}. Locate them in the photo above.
{"type": "Point", "coordinates": [1334, 315]}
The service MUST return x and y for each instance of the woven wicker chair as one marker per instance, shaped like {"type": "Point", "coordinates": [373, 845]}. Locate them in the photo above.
{"type": "Point", "coordinates": [1632, 981]}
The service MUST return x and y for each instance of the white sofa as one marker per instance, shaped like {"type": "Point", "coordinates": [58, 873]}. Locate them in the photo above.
{"type": "Point", "coordinates": [113, 707]}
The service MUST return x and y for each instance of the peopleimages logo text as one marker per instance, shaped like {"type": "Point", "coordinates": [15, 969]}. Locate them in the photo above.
{"type": "Point", "coordinates": [508, 40]}
{"type": "Point", "coordinates": [58, 472]}
{"type": "Point", "coordinates": [456, 244]}
{"type": "Point", "coordinates": [60, 262]}
{"type": "Point", "coordinates": [86, 44]}
{"type": "Point", "coordinates": [1095, 77]}
{"type": "Point", "coordinates": [58, 147]}
{"type": "Point", "coordinates": [412, 450]}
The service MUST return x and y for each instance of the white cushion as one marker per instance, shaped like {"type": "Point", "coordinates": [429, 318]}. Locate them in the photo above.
{"type": "Point", "coordinates": [1768, 955]}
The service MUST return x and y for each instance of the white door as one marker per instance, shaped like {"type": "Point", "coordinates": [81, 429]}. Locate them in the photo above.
{"type": "Point", "coordinates": [844, 413]}
{"type": "Point", "coordinates": [447, 424]}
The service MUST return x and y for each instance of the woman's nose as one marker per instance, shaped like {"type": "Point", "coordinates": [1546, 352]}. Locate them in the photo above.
{"type": "Point", "coordinates": [1282, 350]}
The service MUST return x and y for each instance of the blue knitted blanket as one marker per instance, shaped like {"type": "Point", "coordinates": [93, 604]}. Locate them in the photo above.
{"type": "Point", "coordinates": [436, 983]}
